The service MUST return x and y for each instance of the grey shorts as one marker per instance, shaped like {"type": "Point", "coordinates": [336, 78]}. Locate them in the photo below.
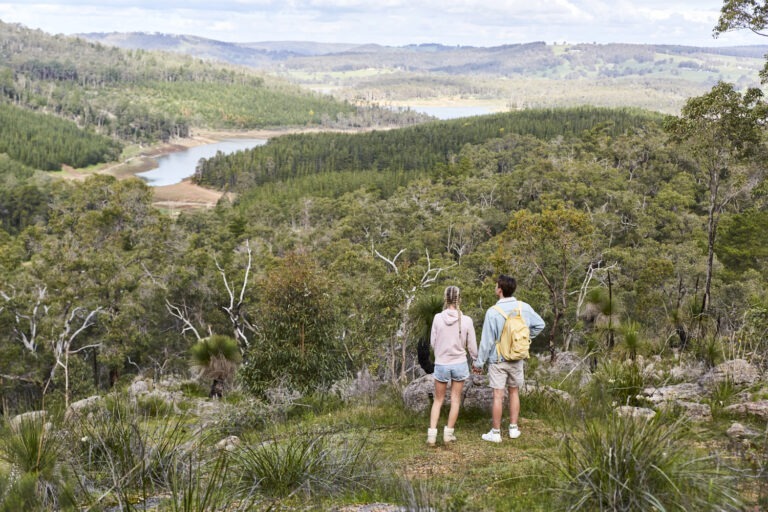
{"type": "Point", "coordinates": [506, 374]}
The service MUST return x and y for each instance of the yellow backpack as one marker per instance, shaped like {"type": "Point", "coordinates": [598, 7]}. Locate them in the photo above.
{"type": "Point", "coordinates": [515, 339]}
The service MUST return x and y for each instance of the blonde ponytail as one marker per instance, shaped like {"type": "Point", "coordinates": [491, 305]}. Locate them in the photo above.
{"type": "Point", "coordinates": [452, 297]}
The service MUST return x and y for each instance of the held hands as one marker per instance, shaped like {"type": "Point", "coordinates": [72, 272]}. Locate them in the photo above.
{"type": "Point", "coordinates": [477, 371]}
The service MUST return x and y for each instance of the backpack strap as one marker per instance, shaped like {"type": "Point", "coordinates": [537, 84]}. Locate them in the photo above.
{"type": "Point", "coordinates": [502, 313]}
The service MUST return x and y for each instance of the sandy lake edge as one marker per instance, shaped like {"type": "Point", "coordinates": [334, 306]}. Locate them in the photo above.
{"type": "Point", "coordinates": [184, 195]}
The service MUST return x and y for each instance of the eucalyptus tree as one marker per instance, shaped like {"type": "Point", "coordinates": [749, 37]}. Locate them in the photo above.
{"type": "Point", "coordinates": [297, 345]}
{"type": "Point", "coordinates": [239, 288]}
{"type": "Point", "coordinates": [100, 249]}
{"type": "Point", "coordinates": [721, 132]}
{"type": "Point", "coordinates": [744, 14]}
{"type": "Point", "coordinates": [49, 331]}
{"type": "Point", "coordinates": [558, 246]}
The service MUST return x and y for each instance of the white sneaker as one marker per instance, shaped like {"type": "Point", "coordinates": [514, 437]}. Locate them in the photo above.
{"type": "Point", "coordinates": [448, 436]}
{"type": "Point", "coordinates": [494, 436]}
{"type": "Point", "coordinates": [431, 436]}
{"type": "Point", "coordinates": [514, 432]}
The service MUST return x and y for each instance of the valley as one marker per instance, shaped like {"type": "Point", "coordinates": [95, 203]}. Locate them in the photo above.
{"type": "Point", "coordinates": [259, 337]}
{"type": "Point", "coordinates": [510, 77]}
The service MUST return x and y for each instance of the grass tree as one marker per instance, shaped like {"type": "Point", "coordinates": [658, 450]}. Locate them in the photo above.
{"type": "Point", "coordinates": [556, 245]}
{"type": "Point", "coordinates": [423, 313]}
{"type": "Point", "coordinates": [630, 333]}
{"type": "Point", "coordinates": [217, 358]}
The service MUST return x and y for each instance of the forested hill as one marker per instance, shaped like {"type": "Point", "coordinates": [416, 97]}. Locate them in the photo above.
{"type": "Point", "coordinates": [46, 142]}
{"type": "Point", "coordinates": [524, 75]}
{"type": "Point", "coordinates": [412, 150]}
{"type": "Point", "coordinates": [142, 96]}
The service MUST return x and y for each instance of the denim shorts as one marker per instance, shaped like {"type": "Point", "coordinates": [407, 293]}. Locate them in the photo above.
{"type": "Point", "coordinates": [448, 372]}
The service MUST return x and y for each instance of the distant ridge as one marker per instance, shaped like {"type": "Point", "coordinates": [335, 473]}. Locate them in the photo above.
{"type": "Point", "coordinates": [533, 74]}
{"type": "Point", "coordinates": [517, 58]}
{"type": "Point", "coordinates": [236, 53]}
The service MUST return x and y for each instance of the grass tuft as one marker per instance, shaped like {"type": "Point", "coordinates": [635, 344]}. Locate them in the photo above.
{"type": "Point", "coordinates": [311, 463]}
{"type": "Point", "coordinates": [637, 465]}
{"type": "Point", "coordinates": [35, 456]}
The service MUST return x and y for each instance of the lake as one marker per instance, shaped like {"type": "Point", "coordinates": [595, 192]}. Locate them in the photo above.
{"type": "Point", "coordinates": [175, 167]}
{"type": "Point", "coordinates": [452, 112]}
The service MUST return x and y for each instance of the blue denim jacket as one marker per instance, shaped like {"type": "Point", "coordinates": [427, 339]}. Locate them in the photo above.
{"type": "Point", "coordinates": [494, 323]}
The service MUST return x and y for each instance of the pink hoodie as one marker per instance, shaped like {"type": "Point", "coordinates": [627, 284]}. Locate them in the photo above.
{"type": "Point", "coordinates": [448, 348]}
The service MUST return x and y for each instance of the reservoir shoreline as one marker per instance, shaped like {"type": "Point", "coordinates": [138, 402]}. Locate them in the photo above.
{"type": "Point", "coordinates": [185, 195]}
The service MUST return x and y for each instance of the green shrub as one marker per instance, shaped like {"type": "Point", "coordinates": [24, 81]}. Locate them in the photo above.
{"type": "Point", "coordinates": [23, 494]}
{"type": "Point", "coordinates": [153, 406]}
{"type": "Point", "coordinates": [298, 347]}
{"type": "Point", "coordinates": [543, 403]}
{"type": "Point", "coordinates": [194, 389]}
{"type": "Point", "coordinates": [638, 465]}
{"type": "Point", "coordinates": [247, 416]}
{"type": "Point", "coordinates": [753, 336]}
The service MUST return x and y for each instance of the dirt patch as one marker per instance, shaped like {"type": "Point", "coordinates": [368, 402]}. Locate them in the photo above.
{"type": "Point", "coordinates": [185, 196]}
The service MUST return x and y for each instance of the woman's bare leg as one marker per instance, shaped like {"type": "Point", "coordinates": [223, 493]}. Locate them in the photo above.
{"type": "Point", "coordinates": [453, 414]}
{"type": "Point", "coordinates": [437, 404]}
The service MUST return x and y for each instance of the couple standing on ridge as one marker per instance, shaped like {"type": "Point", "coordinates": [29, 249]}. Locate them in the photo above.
{"type": "Point", "coordinates": [453, 335]}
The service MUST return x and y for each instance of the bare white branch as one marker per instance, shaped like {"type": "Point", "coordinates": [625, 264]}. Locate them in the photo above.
{"type": "Point", "coordinates": [431, 274]}
{"type": "Point", "coordinates": [247, 270]}
{"type": "Point", "coordinates": [62, 346]}
{"type": "Point", "coordinates": [392, 261]}
{"type": "Point", "coordinates": [178, 313]}
{"type": "Point", "coordinates": [235, 309]}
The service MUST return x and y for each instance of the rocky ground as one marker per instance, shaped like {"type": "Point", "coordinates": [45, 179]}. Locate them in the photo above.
{"type": "Point", "coordinates": [692, 395]}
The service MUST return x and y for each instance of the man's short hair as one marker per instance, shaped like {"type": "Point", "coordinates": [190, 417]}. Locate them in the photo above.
{"type": "Point", "coordinates": [507, 284]}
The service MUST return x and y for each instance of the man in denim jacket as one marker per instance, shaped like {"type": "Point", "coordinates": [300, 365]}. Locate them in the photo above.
{"type": "Point", "coordinates": [504, 374]}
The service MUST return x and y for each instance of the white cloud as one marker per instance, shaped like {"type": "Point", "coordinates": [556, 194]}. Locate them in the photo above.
{"type": "Point", "coordinates": [392, 22]}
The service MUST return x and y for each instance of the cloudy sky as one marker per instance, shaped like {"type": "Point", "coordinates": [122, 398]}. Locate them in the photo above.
{"type": "Point", "coordinates": [390, 22]}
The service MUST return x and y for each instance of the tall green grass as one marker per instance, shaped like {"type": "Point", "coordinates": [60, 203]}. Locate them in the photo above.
{"type": "Point", "coordinates": [616, 383]}
{"type": "Point", "coordinates": [307, 463]}
{"type": "Point", "coordinates": [627, 464]}
{"type": "Point", "coordinates": [124, 453]}
{"type": "Point", "coordinates": [38, 478]}
{"type": "Point", "coordinates": [199, 482]}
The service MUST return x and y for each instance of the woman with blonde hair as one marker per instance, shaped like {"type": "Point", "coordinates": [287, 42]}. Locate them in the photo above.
{"type": "Point", "coordinates": [452, 337]}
